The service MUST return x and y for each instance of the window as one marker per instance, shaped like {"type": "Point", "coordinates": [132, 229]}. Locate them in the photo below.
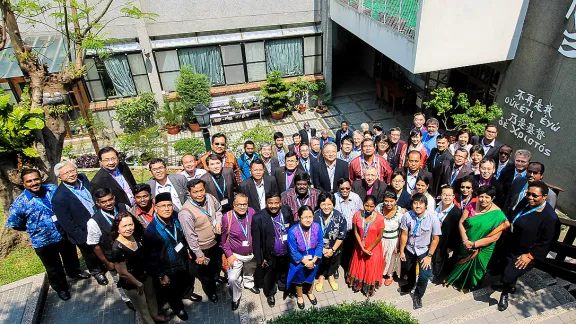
{"type": "Point", "coordinates": [8, 90]}
{"type": "Point", "coordinates": [313, 55]}
{"type": "Point", "coordinates": [285, 55]}
{"type": "Point", "coordinates": [233, 64]}
{"type": "Point", "coordinates": [169, 68]}
{"type": "Point", "coordinates": [119, 76]}
{"type": "Point", "coordinates": [255, 61]}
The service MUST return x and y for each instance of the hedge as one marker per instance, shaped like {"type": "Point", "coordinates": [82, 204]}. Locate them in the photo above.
{"type": "Point", "coordinates": [356, 312]}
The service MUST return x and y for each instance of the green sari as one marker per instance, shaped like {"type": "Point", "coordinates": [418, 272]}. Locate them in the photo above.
{"type": "Point", "coordinates": [471, 266]}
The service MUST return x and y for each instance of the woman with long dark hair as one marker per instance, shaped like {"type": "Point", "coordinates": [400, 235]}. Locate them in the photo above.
{"type": "Point", "coordinates": [414, 144]}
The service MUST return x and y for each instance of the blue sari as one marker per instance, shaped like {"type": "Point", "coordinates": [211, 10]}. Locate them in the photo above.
{"type": "Point", "coordinates": [298, 273]}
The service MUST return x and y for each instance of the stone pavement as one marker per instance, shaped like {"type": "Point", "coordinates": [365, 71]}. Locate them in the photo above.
{"type": "Point", "coordinates": [20, 301]}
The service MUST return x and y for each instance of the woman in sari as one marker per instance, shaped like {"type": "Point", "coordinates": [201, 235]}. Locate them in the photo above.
{"type": "Point", "coordinates": [392, 217]}
{"type": "Point", "coordinates": [466, 192]}
{"type": "Point", "coordinates": [480, 226]}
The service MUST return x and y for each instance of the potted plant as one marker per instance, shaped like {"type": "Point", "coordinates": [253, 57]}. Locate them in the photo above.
{"type": "Point", "coordinates": [133, 114]}
{"type": "Point", "coordinates": [235, 104]}
{"type": "Point", "coordinates": [141, 144]}
{"type": "Point", "coordinates": [322, 101]}
{"type": "Point", "coordinates": [193, 125]}
{"type": "Point", "coordinates": [171, 114]}
{"type": "Point", "coordinates": [299, 93]}
{"type": "Point", "coordinates": [224, 110]}
{"type": "Point", "coordinates": [275, 95]}
{"type": "Point", "coordinates": [193, 89]}
{"type": "Point", "coordinates": [256, 97]}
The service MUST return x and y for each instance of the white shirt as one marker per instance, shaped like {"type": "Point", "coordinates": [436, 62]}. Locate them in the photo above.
{"type": "Point", "coordinates": [331, 171]}
{"type": "Point", "coordinates": [198, 173]}
{"type": "Point", "coordinates": [168, 187]}
{"type": "Point", "coordinates": [94, 232]}
{"type": "Point", "coordinates": [487, 147]}
{"type": "Point", "coordinates": [348, 207]}
{"type": "Point", "coordinates": [411, 182]}
{"type": "Point", "coordinates": [261, 193]}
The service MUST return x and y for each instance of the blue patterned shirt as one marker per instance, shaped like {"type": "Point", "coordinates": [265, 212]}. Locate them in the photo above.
{"type": "Point", "coordinates": [34, 215]}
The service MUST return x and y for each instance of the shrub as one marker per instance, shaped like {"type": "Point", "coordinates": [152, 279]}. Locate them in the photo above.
{"type": "Point", "coordinates": [67, 151]}
{"type": "Point", "coordinates": [258, 135]}
{"type": "Point", "coordinates": [143, 142]}
{"type": "Point", "coordinates": [356, 312]}
{"type": "Point", "coordinates": [189, 146]}
{"type": "Point", "coordinates": [134, 114]}
{"type": "Point", "coordinates": [193, 89]}
{"type": "Point", "coordinates": [87, 161]}
{"type": "Point", "coordinates": [275, 93]}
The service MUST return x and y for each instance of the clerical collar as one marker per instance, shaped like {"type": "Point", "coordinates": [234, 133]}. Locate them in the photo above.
{"type": "Point", "coordinates": [217, 176]}
{"type": "Point", "coordinates": [290, 171]}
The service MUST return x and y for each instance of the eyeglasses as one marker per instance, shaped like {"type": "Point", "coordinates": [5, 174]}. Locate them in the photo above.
{"type": "Point", "coordinates": [532, 172]}
{"type": "Point", "coordinates": [164, 206]}
{"type": "Point", "coordinates": [490, 131]}
{"type": "Point", "coordinates": [465, 187]}
{"type": "Point", "coordinates": [529, 194]}
{"type": "Point", "coordinates": [447, 195]}
{"type": "Point", "coordinates": [345, 188]}
{"type": "Point", "coordinates": [504, 153]}
{"type": "Point", "coordinates": [219, 144]}
{"type": "Point", "coordinates": [241, 205]}
{"type": "Point", "coordinates": [158, 169]}
{"type": "Point", "coordinates": [68, 173]}
{"type": "Point", "coordinates": [110, 160]}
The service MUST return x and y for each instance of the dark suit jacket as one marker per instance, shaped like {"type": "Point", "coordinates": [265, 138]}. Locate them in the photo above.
{"type": "Point", "coordinates": [359, 188]}
{"type": "Point", "coordinates": [321, 179]}
{"type": "Point", "coordinates": [420, 173]}
{"type": "Point", "coordinates": [263, 234]}
{"type": "Point", "coordinates": [514, 194]}
{"type": "Point", "coordinates": [71, 213]}
{"type": "Point", "coordinates": [248, 187]}
{"type": "Point", "coordinates": [446, 173]}
{"type": "Point", "coordinates": [304, 135]}
{"type": "Point", "coordinates": [274, 164]}
{"type": "Point", "coordinates": [280, 176]}
{"type": "Point", "coordinates": [339, 136]}
{"type": "Point", "coordinates": [493, 152]}
{"type": "Point", "coordinates": [506, 177]}
{"type": "Point", "coordinates": [313, 165]}
{"type": "Point", "coordinates": [103, 179]}
{"type": "Point", "coordinates": [500, 196]}
{"type": "Point", "coordinates": [291, 148]}
{"type": "Point", "coordinates": [179, 182]}
{"type": "Point", "coordinates": [231, 185]}
{"type": "Point", "coordinates": [435, 160]}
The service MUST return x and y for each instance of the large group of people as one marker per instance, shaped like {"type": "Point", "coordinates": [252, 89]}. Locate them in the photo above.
{"type": "Point", "coordinates": [287, 217]}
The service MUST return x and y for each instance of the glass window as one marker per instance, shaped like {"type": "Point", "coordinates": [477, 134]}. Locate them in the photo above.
{"type": "Point", "coordinates": [256, 71]}
{"type": "Point", "coordinates": [168, 80]}
{"type": "Point", "coordinates": [313, 55]}
{"type": "Point", "coordinates": [139, 73]}
{"type": "Point", "coordinates": [8, 90]}
{"type": "Point", "coordinates": [313, 64]}
{"type": "Point", "coordinates": [255, 61]}
{"type": "Point", "coordinates": [232, 54]}
{"type": "Point", "coordinates": [234, 74]}
{"type": "Point", "coordinates": [285, 55]}
{"type": "Point", "coordinates": [167, 61]}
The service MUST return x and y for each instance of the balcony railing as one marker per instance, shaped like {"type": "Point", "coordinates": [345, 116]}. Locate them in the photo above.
{"type": "Point", "coordinates": [398, 15]}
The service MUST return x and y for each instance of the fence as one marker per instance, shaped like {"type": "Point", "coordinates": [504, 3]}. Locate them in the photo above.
{"type": "Point", "coordinates": [397, 15]}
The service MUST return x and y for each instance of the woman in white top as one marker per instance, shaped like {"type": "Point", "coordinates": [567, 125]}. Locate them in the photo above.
{"type": "Point", "coordinates": [463, 138]}
{"type": "Point", "coordinates": [392, 217]}
{"type": "Point", "coordinates": [476, 155]}
{"type": "Point", "coordinates": [422, 184]}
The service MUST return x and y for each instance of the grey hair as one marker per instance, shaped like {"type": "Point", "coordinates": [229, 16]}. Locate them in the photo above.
{"type": "Point", "coordinates": [523, 152]}
{"type": "Point", "coordinates": [315, 138]}
{"type": "Point", "coordinates": [364, 124]}
{"type": "Point", "coordinates": [331, 144]}
{"type": "Point", "coordinates": [371, 167]}
{"type": "Point", "coordinates": [60, 165]}
{"type": "Point", "coordinates": [432, 121]}
{"type": "Point", "coordinates": [265, 144]}
{"type": "Point", "coordinates": [357, 132]}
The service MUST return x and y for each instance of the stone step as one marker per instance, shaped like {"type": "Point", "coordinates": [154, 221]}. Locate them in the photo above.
{"type": "Point", "coordinates": [408, 297]}
{"type": "Point", "coordinates": [551, 315]}
{"type": "Point", "coordinates": [523, 305]}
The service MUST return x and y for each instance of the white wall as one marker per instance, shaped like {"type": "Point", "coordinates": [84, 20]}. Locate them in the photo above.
{"type": "Point", "coordinates": [453, 33]}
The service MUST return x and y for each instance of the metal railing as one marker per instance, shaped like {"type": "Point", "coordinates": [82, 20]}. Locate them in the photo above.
{"type": "Point", "coordinates": [398, 15]}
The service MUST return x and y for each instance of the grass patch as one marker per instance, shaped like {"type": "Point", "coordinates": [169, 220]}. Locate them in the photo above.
{"type": "Point", "coordinates": [22, 262]}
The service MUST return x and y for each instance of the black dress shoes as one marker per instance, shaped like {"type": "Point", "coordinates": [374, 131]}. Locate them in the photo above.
{"type": "Point", "coordinates": [81, 275]}
{"type": "Point", "coordinates": [255, 290]}
{"type": "Point", "coordinates": [101, 279]}
{"type": "Point", "coordinates": [195, 297]}
{"type": "Point", "coordinates": [312, 301]}
{"type": "Point", "coordinates": [235, 305]}
{"type": "Point", "coordinates": [336, 275]}
{"type": "Point", "coordinates": [503, 303]}
{"type": "Point", "coordinates": [213, 298]}
{"type": "Point", "coordinates": [417, 302]}
{"type": "Point", "coordinates": [182, 315]}
{"type": "Point", "coordinates": [64, 295]}
{"type": "Point", "coordinates": [130, 305]}
{"type": "Point", "coordinates": [301, 306]}
{"type": "Point", "coordinates": [271, 301]}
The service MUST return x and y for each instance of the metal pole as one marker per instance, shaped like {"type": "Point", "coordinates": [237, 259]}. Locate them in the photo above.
{"type": "Point", "coordinates": [206, 135]}
{"type": "Point", "coordinates": [399, 15]}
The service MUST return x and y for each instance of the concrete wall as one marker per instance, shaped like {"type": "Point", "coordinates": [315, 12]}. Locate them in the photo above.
{"type": "Point", "coordinates": [542, 73]}
{"type": "Point", "coordinates": [454, 33]}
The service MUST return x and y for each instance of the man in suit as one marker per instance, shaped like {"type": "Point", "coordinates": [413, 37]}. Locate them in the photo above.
{"type": "Point", "coordinates": [114, 175]}
{"type": "Point", "coordinates": [295, 146]}
{"type": "Point", "coordinates": [220, 182]}
{"type": "Point", "coordinates": [488, 142]}
{"type": "Point", "coordinates": [73, 206]}
{"type": "Point", "coordinates": [503, 159]}
{"type": "Point", "coordinates": [395, 148]}
{"type": "Point", "coordinates": [270, 163]}
{"type": "Point", "coordinates": [534, 172]}
{"type": "Point", "coordinates": [246, 159]}
{"type": "Point", "coordinates": [175, 184]}
{"type": "Point", "coordinates": [342, 132]}
{"type": "Point", "coordinates": [452, 171]}
{"type": "Point", "coordinates": [438, 155]}
{"type": "Point", "coordinates": [285, 175]}
{"type": "Point", "coordinates": [305, 162]}
{"type": "Point", "coordinates": [370, 185]}
{"type": "Point", "coordinates": [258, 186]}
{"type": "Point", "coordinates": [307, 133]}
{"type": "Point", "coordinates": [413, 171]}
{"type": "Point", "coordinates": [325, 139]}
{"type": "Point", "coordinates": [315, 148]}
{"type": "Point", "coordinates": [329, 170]}
{"type": "Point", "coordinates": [513, 171]}
{"type": "Point", "coordinates": [486, 178]}
{"type": "Point", "coordinates": [219, 142]}
{"type": "Point", "coordinates": [280, 149]}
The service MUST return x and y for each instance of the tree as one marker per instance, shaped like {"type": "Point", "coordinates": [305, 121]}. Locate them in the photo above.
{"type": "Point", "coordinates": [82, 25]}
{"type": "Point", "coordinates": [193, 89]}
{"type": "Point", "coordinates": [474, 117]}
{"type": "Point", "coordinates": [275, 93]}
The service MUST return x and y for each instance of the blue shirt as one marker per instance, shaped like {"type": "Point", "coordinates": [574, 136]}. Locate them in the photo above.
{"type": "Point", "coordinates": [84, 196]}
{"type": "Point", "coordinates": [429, 141]}
{"type": "Point", "coordinates": [244, 164]}
{"type": "Point", "coordinates": [34, 215]}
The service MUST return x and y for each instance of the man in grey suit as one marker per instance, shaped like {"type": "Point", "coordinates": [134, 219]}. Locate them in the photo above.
{"type": "Point", "coordinates": [175, 184]}
{"type": "Point", "coordinates": [220, 182]}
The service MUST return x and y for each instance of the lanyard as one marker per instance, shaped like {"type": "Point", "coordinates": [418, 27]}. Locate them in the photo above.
{"type": "Point", "coordinates": [144, 219]}
{"type": "Point", "coordinates": [108, 218]}
{"type": "Point", "coordinates": [305, 202]}
{"type": "Point", "coordinates": [418, 222]}
{"type": "Point", "coordinates": [341, 203]}
{"type": "Point", "coordinates": [522, 193]}
{"type": "Point", "coordinates": [523, 213]}
{"type": "Point", "coordinates": [207, 212]}
{"type": "Point", "coordinates": [327, 222]}
{"type": "Point", "coordinates": [220, 190]}
{"type": "Point", "coordinates": [364, 165]}
{"type": "Point", "coordinates": [465, 203]}
{"type": "Point", "coordinates": [244, 230]}
{"type": "Point", "coordinates": [453, 176]}
{"type": "Point", "coordinates": [443, 213]}
{"type": "Point", "coordinates": [173, 236]}
{"type": "Point", "coordinates": [331, 173]}
{"type": "Point", "coordinates": [81, 193]}
{"type": "Point", "coordinates": [367, 225]}
{"type": "Point", "coordinates": [435, 158]}
{"type": "Point", "coordinates": [279, 222]}
{"type": "Point", "coordinates": [411, 188]}
{"type": "Point", "coordinates": [249, 160]}
{"type": "Point", "coordinates": [304, 165]}
{"type": "Point", "coordinates": [263, 194]}
{"type": "Point", "coordinates": [306, 242]}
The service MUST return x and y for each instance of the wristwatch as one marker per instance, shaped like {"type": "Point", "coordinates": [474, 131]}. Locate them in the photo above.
{"type": "Point", "coordinates": [430, 254]}
{"type": "Point", "coordinates": [333, 251]}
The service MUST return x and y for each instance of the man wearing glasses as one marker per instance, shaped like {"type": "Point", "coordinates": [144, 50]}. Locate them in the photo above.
{"type": "Point", "coordinates": [519, 188]}
{"type": "Point", "coordinates": [513, 171]}
{"type": "Point", "coordinates": [228, 159]}
{"type": "Point", "coordinates": [175, 184]}
{"type": "Point", "coordinates": [114, 175]}
{"type": "Point", "coordinates": [503, 159]}
{"type": "Point", "coordinates": [488, 142]}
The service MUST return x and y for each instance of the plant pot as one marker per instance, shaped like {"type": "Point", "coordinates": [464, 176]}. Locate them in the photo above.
{"type": "Point", "coordinates": [277, 115]}
{"type": "Point", "coordinates": [321, 109]}
{"type": "Point", "coordinates": [173, 130]}
{"type": "Point", "coordinates": [195, 127]}
{"type": "Point", "coordinates": [223, 112]}
{"type": "Point", "coordinates": [301, 108]}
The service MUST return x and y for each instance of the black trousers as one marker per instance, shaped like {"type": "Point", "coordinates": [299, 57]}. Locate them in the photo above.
{"type": "Point", "coordinates": [275, 276]}
{"type": "Point", "coordinates": [511, 273]}
{"type": "Point", "coordinates": [410, 268]}
{"type": "Point", "coordinates": [56, 258]}
{"type": "Point", "coordinates": [93, 264]}
{"type": "Point", "coordinates": [347, 250]}
{"type": "Point", "coordinates": [177, 289]}
{"type": "Point", "coordinates": [442, 264]}
{"type": "Point", "coordinates": [329, 266]}
{"type": "Point", "coordinates": [207, 274]}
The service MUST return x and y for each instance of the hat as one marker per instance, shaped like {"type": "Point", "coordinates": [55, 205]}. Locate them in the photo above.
{"type": "Point", "coordinates": [165, 196]}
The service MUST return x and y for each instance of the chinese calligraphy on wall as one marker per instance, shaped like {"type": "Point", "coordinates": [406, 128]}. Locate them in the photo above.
{"type": "Point", "coordinates": [568, 46]}
{"type": "Point", "coordinates": [530, 120]}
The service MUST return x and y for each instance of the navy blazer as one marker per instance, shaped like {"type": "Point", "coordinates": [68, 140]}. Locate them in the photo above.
{"type": "Point", "coordinates": [321, 179]}
{"type": "Point", "coordinates": [493, 152]}
{"type": "Point", "coordinates": [103, 179]}
{"type": "Point", "coordinates": [71, 213]}
{"type": "Point", "coordinates": [248, 187]}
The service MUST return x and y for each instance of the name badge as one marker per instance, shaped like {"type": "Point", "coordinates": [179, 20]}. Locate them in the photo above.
{"type": "Point", "coordinates": [287, 225]}
{"type": "Point", "coordinates": [284, 237]}
{"type": "Point", "coordinates": [326, 242]}
{"type": "Point", "coordinates": [54, 219]}
{"type": "Point", "coordinates": [245, 243]}
{"type": "Point", "coordinates": [224, 202]}
{"type": "Point", "coordinates": [179, 247]}
{"type": "Point", "coordinates": [309, 257]}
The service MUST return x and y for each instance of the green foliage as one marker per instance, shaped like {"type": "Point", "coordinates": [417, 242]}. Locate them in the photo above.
{"type": "Point", "coordinates": [17, 124]}
{"type": "Point", "coordinates": [275, 93]}
{"type": "Point", "coordinates": [133, 114]}
{"type": "Point", "coordinates": [299, 90]}
{"type": "Point", "coordinates": [319, 95]}
{"type": "Point", "coordinates": [145, 141]}
{"type": "Point", "coordinates": [59, 110]}
{"type": "Point", "coordinates": [356, 312]}
{"type": "Point", "coordinates": [171, 113]}
{"type": "Point", "coordinates": [475, 117]}
{"type": "Point", "coordinates": [235, 104]}
{"type": "Point", "coordinates": [193, 89]}
{"type": "Point", "coordinates": [189, 146]}
{"type": "Point", "coordinates": [258, 135]}
{"type": "Point", "coordinates": [67, 151]}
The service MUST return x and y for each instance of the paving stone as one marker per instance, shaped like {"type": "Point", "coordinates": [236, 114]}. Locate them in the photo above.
{"type": "Point", "coordinates": [341, 100]}
{"type": "Point", "coordinates": [363, 96]}
{"type": "Point", "coordinates": [369, 104]}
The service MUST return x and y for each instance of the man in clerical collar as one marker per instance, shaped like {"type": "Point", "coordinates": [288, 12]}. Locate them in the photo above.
{"type": "Point", "coordinates": [190, 171]}
{"type": "Point", "coordinates": [143, 209]}
{"type": "Point", "coordinates": [370, 185]}
{"type": "Point", "coordinates": [228, 159]}
{"type": "Point", "coordinates": [114, 175]}
{"type": "Point", "coordinates": [429, 138]}
{"type": "Point", "coordinates": [503, 159]}
{"type": "Point", "coordinates": [302, 194]}
{"type": "Point", "coordinates": [246, 159]}
{"type": "Point", "coordinates": [220, 182]}
{"type": "Point", "coordinates": [486, 178]}
{"type": "Point", "coordinates": [285, 175]}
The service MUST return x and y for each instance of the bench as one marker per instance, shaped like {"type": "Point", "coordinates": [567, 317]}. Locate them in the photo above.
{"type": "Point", "coordinates": [216, 105]}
